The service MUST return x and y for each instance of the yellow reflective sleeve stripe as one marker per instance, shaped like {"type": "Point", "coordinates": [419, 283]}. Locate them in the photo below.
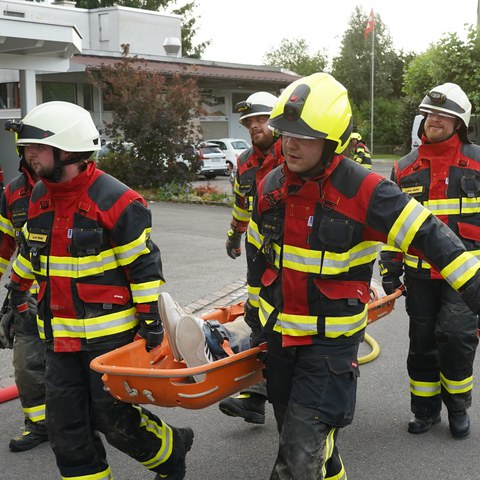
{"type": "Point", "coordinates": [35, 414]}
{"type": "Point", "coordinates": [254, 236]}
{"type": "Point", "coordinates": [407, 225]}
{"type": "Point", "coordinates": [146, 292]}
{"type": "Point", "coordinates": [389, 248]}
{"type": "Point", "coordinates": [461, 270]}
{"type": "Point", "coordinates": [6, 226]}
{"type": "Point", "coordinates": [456, 386]}
{"type": "Point", "coordinates": [424, 389]}
{"type": "Point", "coordinates": [129, 252]}
{"type": "Point", "coordinates": [241, 214]}
{"type": "Point", "coordinates": [163, 432]}
{"type": "Point", "coordinates": [3, 264]}
{"type": "Point", "coordinates": [23, 268]}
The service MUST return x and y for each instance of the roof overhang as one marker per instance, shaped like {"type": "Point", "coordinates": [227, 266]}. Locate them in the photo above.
{"type": "Point", "coordinates": [28, 45]}
{"type": "Point", "coordinates": [211, 74]}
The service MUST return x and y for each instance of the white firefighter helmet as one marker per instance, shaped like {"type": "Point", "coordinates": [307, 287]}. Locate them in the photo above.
{"type": "Point", "coordinates": [448, 98]}
{"type": "Point", "coordinates": [61, 125]}
{"type": "Point", "coordinates": [259, 103]}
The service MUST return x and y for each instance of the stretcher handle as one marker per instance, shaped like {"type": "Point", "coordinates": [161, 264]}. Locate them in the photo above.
{"type": "Point", "coordinates": [388, 298]}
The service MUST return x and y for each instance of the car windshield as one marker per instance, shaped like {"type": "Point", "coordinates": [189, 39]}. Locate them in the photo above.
{"type": "Point", "coordinates": [239, 145]}
{"type": "Point", "coordinates": [211, 150]}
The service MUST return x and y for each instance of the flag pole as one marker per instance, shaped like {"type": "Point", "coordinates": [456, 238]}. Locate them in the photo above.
{"type": "Point", "coordinates": [372, 89]}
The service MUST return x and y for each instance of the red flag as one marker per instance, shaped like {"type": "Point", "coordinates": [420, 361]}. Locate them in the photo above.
{"type": "Point", "coordinates": [370, 24]}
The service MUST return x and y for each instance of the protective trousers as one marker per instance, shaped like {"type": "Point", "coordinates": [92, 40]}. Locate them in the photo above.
{"type": "Point", "coordinates": [29, 367]}
{"type": "Point", "coordinates": [313, 392]}
{"type": "Point", "coordinates": [78, 407]}
{"type": "Point", "coordinates": [443, 341]}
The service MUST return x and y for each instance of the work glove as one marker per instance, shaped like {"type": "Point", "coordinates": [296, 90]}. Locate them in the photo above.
{"type": "Point", "coordinates": [7, 328]}
{"type": "Point", "coordinates": [390, 283]}
{"type": "Point", "coordinates": [151, 329]}
{"type": "Point", "coordinates": [24, 306]}
{"type": "Point", "coordinates": [234, 239]}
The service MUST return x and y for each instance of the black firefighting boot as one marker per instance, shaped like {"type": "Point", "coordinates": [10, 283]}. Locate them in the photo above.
{"type": "Point", "coordinates": [250, 406]}
{"type": "Point", "coordinates": [175, 467]}
{"type": "Point", "coordinates": [459, 423]}
{"type": "Point", "coordinates": [423, 424]}
{"type": "Point", "coordinates": [26, 441]}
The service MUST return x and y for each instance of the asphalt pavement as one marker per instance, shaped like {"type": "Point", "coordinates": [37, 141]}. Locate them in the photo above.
{"type": "Point", "coordinates": [377, 445]}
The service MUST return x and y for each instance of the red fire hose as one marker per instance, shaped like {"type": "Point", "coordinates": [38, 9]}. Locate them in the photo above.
{"type": "Point", "coordinates": [8, 393]}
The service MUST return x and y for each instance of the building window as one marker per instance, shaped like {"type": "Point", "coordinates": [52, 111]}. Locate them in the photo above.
{"type": "Point", "coordinates": [10, 95]}
{"type": "Point", "coordinates": [88, 97]}
{"type": "Point", "coordinates": [66, 92]}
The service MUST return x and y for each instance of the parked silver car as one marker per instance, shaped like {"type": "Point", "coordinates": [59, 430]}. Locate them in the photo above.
{"type": "Point", "coordinates": [232, 147]}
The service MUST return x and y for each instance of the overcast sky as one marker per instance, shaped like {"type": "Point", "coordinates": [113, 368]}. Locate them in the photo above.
{"type": "Point", "coordinates": [242, 31]}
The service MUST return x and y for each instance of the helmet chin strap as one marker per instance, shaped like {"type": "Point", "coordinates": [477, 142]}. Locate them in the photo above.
{"type": "Point", "coordinates": [58, 165]}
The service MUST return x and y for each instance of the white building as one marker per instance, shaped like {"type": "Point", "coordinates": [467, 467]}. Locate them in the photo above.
{"type": "Point", "coordinates": [46, 48]}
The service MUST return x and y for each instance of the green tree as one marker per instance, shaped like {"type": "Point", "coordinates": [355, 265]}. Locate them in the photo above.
{"type": "Point", "coordinates": [154, 112]}
{"type": "Point", "coordinates": [293, 55]}
{"type": "Point", "coordinates": [352, 66]}
{"type": "Point", "coordinates": [448, 60]}
{"type": "Point", "coordinates": [188, 24]}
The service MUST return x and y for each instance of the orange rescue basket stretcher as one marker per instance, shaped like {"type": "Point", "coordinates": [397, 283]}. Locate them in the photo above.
{"type": "Point", "coordinates": [133, 375]}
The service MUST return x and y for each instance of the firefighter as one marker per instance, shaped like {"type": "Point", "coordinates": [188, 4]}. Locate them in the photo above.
{"type": "Point", "coordinates": [87, 243]}
{"type": "Point", "coordinates": [442, 174]}
{"type": "Point", "coordinates": [359, 151]}
{"type": "Point", "coordinates": [311, 246]}
{"type": "Point", "coordinates": [28, 348]}
{"type": "Point", "coordinates": [252, 166]}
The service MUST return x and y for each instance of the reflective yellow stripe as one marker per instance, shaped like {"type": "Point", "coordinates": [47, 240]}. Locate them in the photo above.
{"type": "Point", "coordinates": [329, 446]}
{"type": "Point", "coordinates": [35, 414]}
{"type": "Point", "coordinates": [3, 264]}
{"type": "Point", "coordinates": [347, 325]}
{"type": "Point", "coordinates": [301, 325]}
{"type": "Point", "coordinates": [253, 235]}
{"type": "Point", "coordinates": [241, 214]}
{"type": "Point", "coordinates": [126, 254]}
{"type": "Point", "coordinates": [456, 386]}
{"type": "Point", "coordinates": [104, 475]}
{"type": "Point", "coordinates": [470, 205]}
{"type": "Point", "coordinates": [253, 293]}
{"type": "Point", "coordinates": [424, 389]}
{"type": "Point", "coordinates": [407, 225]}
{"type": "Point", "coordinates": [310, 261]}
{"type": "Point", "coordinates": [23, 268]}
{"type": "Point", "coordinates": [96, 327]}
{"type": "Point", "coordinates": [41, 328]}
{"type": "Point", "coordinates": [461, 270]}
{"type": "Point", "coordinates": [146, 292]}
{"type": "Point", "coordinates": [164, 433]}
{"type": "Point", "coordinates": [444, 206]}
{"type": "Point", "coordinates": [6, 226]}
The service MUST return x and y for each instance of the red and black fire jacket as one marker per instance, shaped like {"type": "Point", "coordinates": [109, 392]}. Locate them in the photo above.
{"type": "Point", "coordinates": [312, 245]}
{"type": "Point", "coordinates": [13, 215]}
{"type": "Point", "coordinates": [87, 242]}
{"type": "Point", "coordinates": [445, 178]}
{"type": "Point", "coordinates": [252, 167]}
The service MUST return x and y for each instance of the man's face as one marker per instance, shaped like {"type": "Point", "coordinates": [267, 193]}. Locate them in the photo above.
{"type": "Point", "coordinates": [439, 127]}
{"type": "Point", "coordinates": [40, 159]}
{"type": "Point", "coordinates": [303, 156]}
{"type": "Point", "coordinates": [261, 135]}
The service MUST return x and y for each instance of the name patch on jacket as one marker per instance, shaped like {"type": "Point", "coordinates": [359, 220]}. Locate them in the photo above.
{"type": "Point", "coordinates": [38, 237]}
{"type": "Point", "coordinates": [413, 190]}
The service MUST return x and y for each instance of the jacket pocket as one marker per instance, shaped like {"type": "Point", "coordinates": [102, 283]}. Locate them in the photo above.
{"type": "Point", "coordinates": [469, 231]}
{"type": "Point", "coordinates": [106, 294]}
{"type": "Point", "coordinates": [335, 232]}
{"type": "Point", "coordinates": [87, 241]}
{"type": "Point", "coordinates": [352, 291]}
